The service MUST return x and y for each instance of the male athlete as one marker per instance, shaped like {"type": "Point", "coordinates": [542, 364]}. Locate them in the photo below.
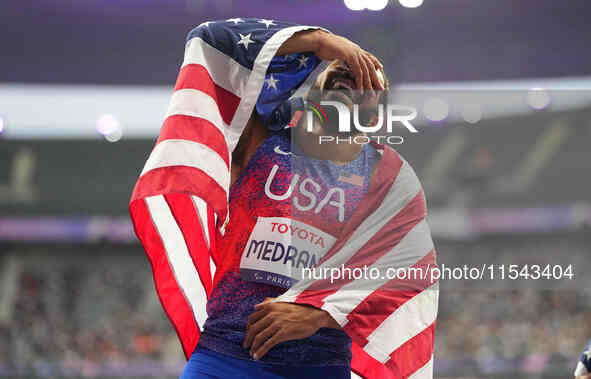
{"type": "Point", "coordinates": [242, 337]}
{"type": "Point", "coordinates": [294, 204]}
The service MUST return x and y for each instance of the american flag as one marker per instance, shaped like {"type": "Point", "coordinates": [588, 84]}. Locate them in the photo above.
{"type": "Point", "coordinates": [179, 204]}
{"type": "Point", "coordinates": [347, 177]}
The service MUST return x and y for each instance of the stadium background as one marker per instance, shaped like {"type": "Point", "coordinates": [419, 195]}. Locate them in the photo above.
{"type": "Point", "coordinates": [84, 87]}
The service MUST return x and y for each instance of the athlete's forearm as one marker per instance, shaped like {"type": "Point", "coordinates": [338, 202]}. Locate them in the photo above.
{"type": "Point", "coordinates": [303, 41]}
{"type": "Point", "coordinates": [329, 46]}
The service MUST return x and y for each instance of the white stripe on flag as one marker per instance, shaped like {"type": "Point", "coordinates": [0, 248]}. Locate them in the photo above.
{"type": "Point", "coordinates": [212, 267]}
{"type": "Point", "coordinates": [414, 246]}
{"type": "Point", "coordinates": [178, 152]}
{"type": "Point", "coordinates": [425, 372]}
{"type": "Point", "coordinates": [192, 102]}
{"type": "Point", "coordinates": [224, 70]}
{"type": "Point", "coordinates": [201, 210]}
{"type": "Point", "coordinates": [184, 271]}
{"type": "Point", "coordinates": [416, 315]}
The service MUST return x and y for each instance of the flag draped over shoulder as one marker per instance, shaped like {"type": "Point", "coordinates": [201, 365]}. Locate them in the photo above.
{"type": "Point", "coordinates": [180, 203]}
{"type": "Point", "coordinates": [387, 303]}
{"type": "Point", "coordinates": [181, 197]}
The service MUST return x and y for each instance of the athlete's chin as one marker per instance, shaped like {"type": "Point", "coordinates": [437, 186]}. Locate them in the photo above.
{"type": "Point", "coordinates": [332, 129]}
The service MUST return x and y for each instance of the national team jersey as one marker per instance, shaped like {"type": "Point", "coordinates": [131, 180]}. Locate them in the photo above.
{"type": "Point", "coordinates": [584, 364]}
{"type": "Point", "coordinates": [286, 211]}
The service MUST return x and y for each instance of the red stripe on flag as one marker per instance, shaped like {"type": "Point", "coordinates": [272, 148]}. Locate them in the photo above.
{"type": "Point", "coordinates": [196, 76]}
{"type": "Point", "coordinates": [182, 179]}
{"type": "Point", "coordinates": [188, 220]}
{"type": "Point", "coordinates": [384, 301]}
{"type": "Point", "coordinates": [413, 354]}
{"type": "Point", "coordinates": [197, 130]}
{"type": "Point", "coordinates": [173, 301]}
{"type": "Point", "coordinates": [379, 244]}
{"type": "Point", "coordinates": [392, 233]}
{"type": "Point", "coordinates": [366, 366]}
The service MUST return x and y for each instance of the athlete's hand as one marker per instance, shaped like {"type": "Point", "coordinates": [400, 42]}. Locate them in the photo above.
{"type": "Point", "coordinates": [329, 47]}
{"type": "Point", "coordinates": [273, 323]}
{"type": "Point", "coordinates": [362, 63]}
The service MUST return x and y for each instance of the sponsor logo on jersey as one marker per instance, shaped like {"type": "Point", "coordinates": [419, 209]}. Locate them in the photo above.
{"type": "Point", "coordinates": [279, 248]}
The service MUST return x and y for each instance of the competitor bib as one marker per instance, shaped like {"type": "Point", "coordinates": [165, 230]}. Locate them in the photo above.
{"type": "Point", "coordinates": [279, 249]}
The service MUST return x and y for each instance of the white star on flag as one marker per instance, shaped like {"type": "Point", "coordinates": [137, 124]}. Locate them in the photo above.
{"type": "Point", "coordinates": [271, 82]}
{"type": "Point", "coordinates": [245, 40]}
{"type": "Point", "coordinates": [303, 61]}
{"type": "Point", "coordinates": [235, 20]}
{"type": "Point", "coordinates": [266, 22]}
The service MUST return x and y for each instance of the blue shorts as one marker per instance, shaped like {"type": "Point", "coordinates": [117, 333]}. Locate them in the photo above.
{"type": "Point", "coordinates": [208, 364]}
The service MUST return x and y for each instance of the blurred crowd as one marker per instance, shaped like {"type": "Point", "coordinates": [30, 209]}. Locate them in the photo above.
{"type": "Point", "coordinates": [87, 317]}
{"type": "Point", "coordinates": [520, 326]}
{"type": "Point", "coordinates": [98, 316]}
{"type": "Point", "coordinates": [518, 331]}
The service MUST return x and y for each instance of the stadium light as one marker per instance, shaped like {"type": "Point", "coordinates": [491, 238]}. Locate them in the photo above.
{"type": "Point", "coordinates": [355, 5]}
{"type": "Point", "coordinates": [106, 124]}
{"type": "Point", "coordinates": [109, 127]}
{"type": "Point", "coordinates": [538, 98]}
{"type": "Point", "coordinates": [376, 5]}
{"type": "Point", "coordinates": [436, 109]}
{"type": "Point", "coordinates": [472, 113]}
{"type": "Point", "coordinates": [115, 136]}
{"type": "Point", "coordinates": [411, 3]}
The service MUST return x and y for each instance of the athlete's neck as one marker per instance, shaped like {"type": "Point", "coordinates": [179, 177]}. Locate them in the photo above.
{"type": "Point", "coordinates": [338, 149]}
{"type": "Point", "coordinates": [255, 133]}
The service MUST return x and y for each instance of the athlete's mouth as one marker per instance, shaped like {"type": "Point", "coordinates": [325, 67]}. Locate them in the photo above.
{"type": "Point", "coordinates": [341, 84]}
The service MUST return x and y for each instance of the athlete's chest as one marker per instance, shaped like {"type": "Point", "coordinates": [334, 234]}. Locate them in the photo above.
{"type": "Point", "coordinates": [277, 182]}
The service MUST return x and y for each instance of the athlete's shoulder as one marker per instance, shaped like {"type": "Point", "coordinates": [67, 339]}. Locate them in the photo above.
{"type": "Point", "coordinates": [393, 166]}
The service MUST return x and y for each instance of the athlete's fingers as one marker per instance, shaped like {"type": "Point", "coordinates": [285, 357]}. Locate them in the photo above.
{"type": "Point", "coordinates": [374, 60]}
{"type": "Point", "coordinates": [355, 66]}
{"type": "Point", "coordinates": [373, 73]}
{"type": "Point", "coordinates": [263, 303]}
{"type": "Point", "coordinates": [263, 336]}
{"type": "Point", "coordinates": [365, 71]}
{"type": "Point", "coordinates": [268, 345]}
{"type": "Point", "coordinates": [267, 300]}
{"type": "Point", "coordinates": [255, 316]}
{"type": "Point", "coordinates": [255, 328]}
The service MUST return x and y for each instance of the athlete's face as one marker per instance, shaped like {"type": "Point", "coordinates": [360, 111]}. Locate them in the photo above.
{"type": "Point", "coordinates": [337, 83]}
